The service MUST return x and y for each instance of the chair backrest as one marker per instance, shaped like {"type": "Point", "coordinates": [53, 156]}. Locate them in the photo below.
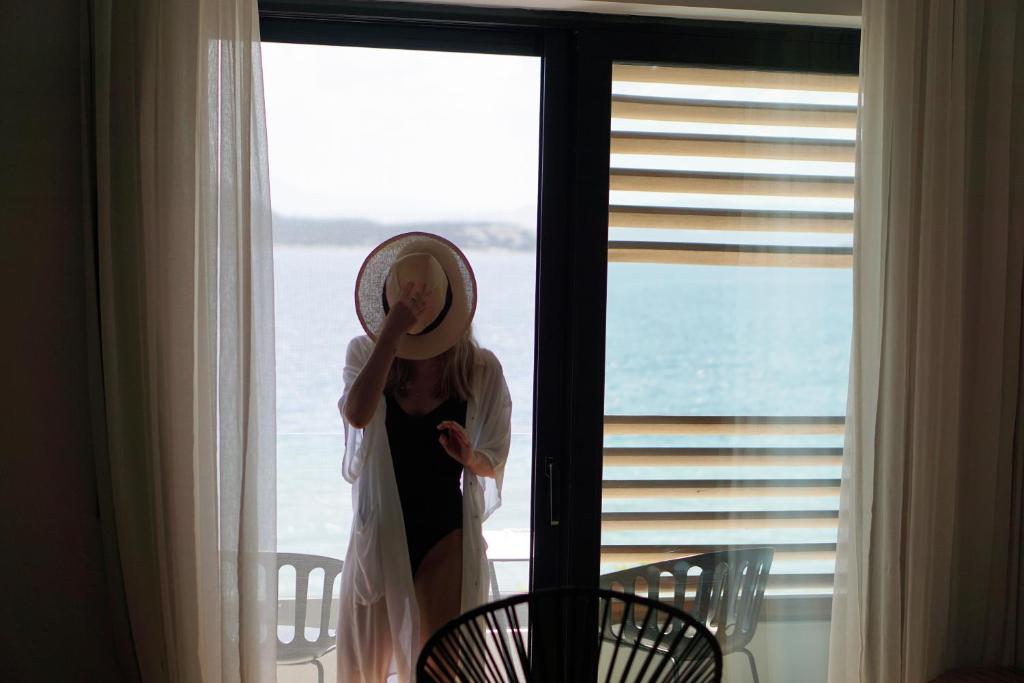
{"type": "Point", "coordinates": [572, 635]}
{"type": "Point", "coordinates": [299, 648]}
{"type": "Point", "coordinates": [723, 590]}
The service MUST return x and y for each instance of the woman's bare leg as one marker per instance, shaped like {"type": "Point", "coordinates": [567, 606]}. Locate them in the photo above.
{"type": "Point", "coordinates": [439, 585]}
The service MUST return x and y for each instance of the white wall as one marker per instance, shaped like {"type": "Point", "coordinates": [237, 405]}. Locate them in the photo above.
{"type": "Point", "coordinates": [786, 652]}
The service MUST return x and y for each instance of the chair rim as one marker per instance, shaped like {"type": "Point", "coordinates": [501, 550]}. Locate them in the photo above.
{"type": "Point", "coordinates": [564, 591]}
{"type": "Point", "coordinates": [284, 554]}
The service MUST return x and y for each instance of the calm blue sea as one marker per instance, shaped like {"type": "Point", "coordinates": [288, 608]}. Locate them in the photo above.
{"type": "Point", "coordinates": [681, 340]}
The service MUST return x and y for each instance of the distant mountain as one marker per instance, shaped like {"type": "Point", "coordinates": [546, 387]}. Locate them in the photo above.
{"type": "Point", "coordinates": [359, 232]}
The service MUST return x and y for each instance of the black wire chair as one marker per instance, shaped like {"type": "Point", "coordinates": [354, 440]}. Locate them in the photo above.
{"type": "Point", "coordinates": [572, 635]}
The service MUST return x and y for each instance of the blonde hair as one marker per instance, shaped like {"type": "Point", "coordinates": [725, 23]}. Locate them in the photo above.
{"type": "Point", "coordinates": [456, 376]}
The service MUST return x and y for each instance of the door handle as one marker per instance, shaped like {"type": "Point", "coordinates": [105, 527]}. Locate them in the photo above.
{"type": "Point", "coordinates": [552, 515]}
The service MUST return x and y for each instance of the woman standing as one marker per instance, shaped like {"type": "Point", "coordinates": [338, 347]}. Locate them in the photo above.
{"type": "Point", "coordinates": [425, 410]}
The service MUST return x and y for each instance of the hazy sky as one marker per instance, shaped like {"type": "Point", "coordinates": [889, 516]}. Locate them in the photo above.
{"type": "Point", "coordinates": [398, 135]}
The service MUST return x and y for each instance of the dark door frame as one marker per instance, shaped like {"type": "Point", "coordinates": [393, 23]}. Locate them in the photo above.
{"type": "Point", "coordinates": [577, 51]}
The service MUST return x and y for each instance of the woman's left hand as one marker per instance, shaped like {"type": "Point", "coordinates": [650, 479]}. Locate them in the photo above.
{"type": "Point", "coordinates": [456, 443]}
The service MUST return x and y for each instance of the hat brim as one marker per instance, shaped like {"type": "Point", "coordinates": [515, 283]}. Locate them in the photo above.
{"type": "Point", "coordinates": [373, 275]}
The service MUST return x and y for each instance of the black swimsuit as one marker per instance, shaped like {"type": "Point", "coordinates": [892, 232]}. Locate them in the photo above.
{"type": "Point", "coordinates": [428, 478]}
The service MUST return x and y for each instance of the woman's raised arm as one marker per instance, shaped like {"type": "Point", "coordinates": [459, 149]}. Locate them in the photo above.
{"type": "Point", "coordinates": [366, 391]}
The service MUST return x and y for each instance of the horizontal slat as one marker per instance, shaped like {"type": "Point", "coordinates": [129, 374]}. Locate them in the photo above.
{"type": "Point", "coordinates": [731, 113]}
{"type": "Point", "coordinates": [730, 147]}
{"type": "Point", "coordinates": [761, 185]}
{"type": "Point", "coordinates": [785, 563]}
{"type": "Point", "coordinates": [645, 554]}
{"type": "Point", "coordinates": [722, 457]}
{"type": "Point", "coordinates": [693, 254]}
{"type": "Point", "coordinates": [719, 488]}
{"type": "Point", "coordinates": [777, 582]}
{"type": "Point", "coordinates": [796, 608]}
{"type": "Point", "coordinates": [734, 78]}
{"type": "Point", "coordinates": [722, 514]}
{"type": "Point", "coordinates": [717, 520]}
{"type": "Point", "coordinates": [622, 459]}
{"type": "Point", "coordinates": [774, 608]}
{"type": "Point", "coordinates": [790, 565]}
{"type": "Point", "coordinates": [622, 216]}
{"type": "Point", "coordinates": [664, 425]}
{"type": "Point", "coordinates": [809, 582]}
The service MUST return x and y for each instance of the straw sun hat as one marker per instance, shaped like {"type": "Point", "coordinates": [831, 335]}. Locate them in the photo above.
{"type": "Point", "coordinates": [423, 258]}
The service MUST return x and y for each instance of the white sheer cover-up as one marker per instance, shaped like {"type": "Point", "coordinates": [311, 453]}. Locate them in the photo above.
{"type": "Point", "coordinates": [378, 619]}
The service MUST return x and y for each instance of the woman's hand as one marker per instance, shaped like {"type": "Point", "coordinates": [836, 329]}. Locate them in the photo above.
{"type": "Point", "coordinates": [364, 395]}
{"type": "Point", "coordinates": [407, 310]}
{"type": "Point", "coordinates": [456, 443]}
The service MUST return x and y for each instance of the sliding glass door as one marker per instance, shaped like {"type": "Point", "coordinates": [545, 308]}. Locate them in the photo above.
{"type": "Point", "coordinates": [366, 143]}
{"type": "Point", "coordinates": [726, 348]}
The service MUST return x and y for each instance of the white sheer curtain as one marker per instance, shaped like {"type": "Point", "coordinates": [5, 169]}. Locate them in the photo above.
{"type": "Point", "coordinates": [931, 548]}
{"type": "Point", "coordinates": [185, 301]}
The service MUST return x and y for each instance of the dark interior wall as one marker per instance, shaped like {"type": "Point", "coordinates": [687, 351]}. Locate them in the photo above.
{"type": "Point", "coordinates": [54, 611]}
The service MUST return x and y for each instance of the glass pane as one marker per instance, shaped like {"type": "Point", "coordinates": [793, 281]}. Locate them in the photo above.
{"type": "Point", "coordinates": [365, 144]}
{"type": "Point", "coordinates": [730, 221]}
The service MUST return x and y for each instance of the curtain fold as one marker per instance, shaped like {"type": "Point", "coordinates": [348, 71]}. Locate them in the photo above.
{"type": "Point", "coordinates": [929, 568]}
{"type": "Point", "coordinates": [185, 306]}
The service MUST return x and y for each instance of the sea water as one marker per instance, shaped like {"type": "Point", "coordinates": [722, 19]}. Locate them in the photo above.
{"type": "Point", "coordinates": [680, 340]}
